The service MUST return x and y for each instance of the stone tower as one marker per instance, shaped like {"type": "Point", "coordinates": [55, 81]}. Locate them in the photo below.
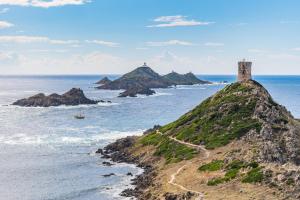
{"type": "Point", "coordinates": [244, 72]}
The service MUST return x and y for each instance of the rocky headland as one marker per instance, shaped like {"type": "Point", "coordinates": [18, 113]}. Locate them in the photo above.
{"type": "Point", "coordinates": [237, 144]}
{"type": "Point", "coordinates": [143, 79]}
{"type": "Point", "coordinates": [73, 97]}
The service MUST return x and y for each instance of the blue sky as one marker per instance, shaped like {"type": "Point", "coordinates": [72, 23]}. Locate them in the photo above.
{"type": "Point", "coordinates": [115, 36]}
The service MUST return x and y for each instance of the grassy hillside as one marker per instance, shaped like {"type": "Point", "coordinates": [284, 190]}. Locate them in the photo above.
{"type": "Point", "coordinates": [219, 119]}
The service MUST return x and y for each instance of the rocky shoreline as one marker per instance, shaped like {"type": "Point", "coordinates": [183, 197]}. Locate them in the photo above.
{"type": "Point", "coordinates": [118, 152]}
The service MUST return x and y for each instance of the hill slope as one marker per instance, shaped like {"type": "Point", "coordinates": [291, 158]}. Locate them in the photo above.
{"type": "Point", "coordinates": [237, 144]}
{"type": "Point", "coordinates": [241, 109]}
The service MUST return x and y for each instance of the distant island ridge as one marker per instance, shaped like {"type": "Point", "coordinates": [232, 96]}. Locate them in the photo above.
{"type": "Point", "coordinates": [143, 79]}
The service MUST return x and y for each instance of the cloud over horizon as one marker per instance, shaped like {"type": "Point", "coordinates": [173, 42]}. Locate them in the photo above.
{"type": "Point", "coordinates": [5, 24]}
{"type": "Point", "coordinates": [103, 43]}
{"type": "Point", "coordinates": [177, 20]}
{"type": "Point", "coordinates": [42, 3]}
{"type": "Point", "coordinates": [169, 43]}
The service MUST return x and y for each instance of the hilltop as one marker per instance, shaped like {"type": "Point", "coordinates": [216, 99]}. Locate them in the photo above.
{"type": "Point", "coordinates": [237, 144]}
{"type": "Point", "coordinates": [142, 79]}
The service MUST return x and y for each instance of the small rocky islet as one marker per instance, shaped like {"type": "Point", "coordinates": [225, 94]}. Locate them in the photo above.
{"type": "Point", "coordinates": [143, 79]}
{"type": "Point", "coordinates": [104, 81]}
{"type": "Point", "coordinates": [73, 97]}
{"type": "Point", "coordinates": [236, 144]}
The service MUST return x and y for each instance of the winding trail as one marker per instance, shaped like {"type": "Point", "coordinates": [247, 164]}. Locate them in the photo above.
{"type": "Point", "coordinates": [172, 180]}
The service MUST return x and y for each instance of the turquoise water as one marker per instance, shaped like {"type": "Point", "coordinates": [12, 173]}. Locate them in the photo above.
{"type": "Point", "coordinates": [46, 154]}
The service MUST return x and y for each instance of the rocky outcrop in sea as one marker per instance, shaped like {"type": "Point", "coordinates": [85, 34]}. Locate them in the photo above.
{"type": "Point", "coordinates": [104, 81]}
{"type": "Point", "coordinates": [73, 97]}
{"type": "Point", "coordinates": [132, 92]}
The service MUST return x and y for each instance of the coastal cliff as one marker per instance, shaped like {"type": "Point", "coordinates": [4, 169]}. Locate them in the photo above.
{"type": "Point", "coordinates": [237, 144]}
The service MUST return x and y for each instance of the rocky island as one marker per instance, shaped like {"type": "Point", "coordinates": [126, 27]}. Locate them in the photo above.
{"type": "Point", "coordinates": [184, 79]}
{"type": "Point", "coordinates": [104, 81]}
{"type": "Point", "coordinates": [73, 97]}
{"type": "Point", "coordinates": [237, 144]}
{"type": "Point", "coordinates": [143, 79]}
{"type": "Point", "coordinates": [133, 91]}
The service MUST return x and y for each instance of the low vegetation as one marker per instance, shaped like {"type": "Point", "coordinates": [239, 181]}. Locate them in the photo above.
{"type": "Point", "coordinates": [253, 176]}
{"type": "Point", "coordinates": [232, 170]}
{"type": "Point", "coordinates": [169, 149]}
{"type": "Point", "coordinates": [215, 165]}
{"type": "Point", "coordinates": [218, 120]}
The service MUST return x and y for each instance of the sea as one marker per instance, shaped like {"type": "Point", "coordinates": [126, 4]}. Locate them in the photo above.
{"type": "Point", "coordinates": [47, 154]}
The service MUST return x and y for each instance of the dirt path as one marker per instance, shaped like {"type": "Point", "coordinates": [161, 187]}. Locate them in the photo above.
{"type": "Point", "coordinates": [172, 180]}
{"type": "Point", "coordinates": [199, 147]}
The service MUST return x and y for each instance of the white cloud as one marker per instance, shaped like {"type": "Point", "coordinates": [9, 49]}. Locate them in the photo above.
{"type": "Point", "coordinates": [4, 10]}
{"type": "Point", "coordinates": [64, 41]}
{"type": "Point", "coordinates": [37, 62]}
{"type": "Point", "coordinates": [169, 43]}
{"type": "Point", "coordinates": [213, 44]}
{"type": "Point", "coordinates": [289, 22]}
{"type": "Point", "coordinates": [23, 39]}
{"type": "Point", "coordinates": [169, 61]}
{"type": "Point", "coordinates": [48, 50]}
{"type": "Point", "coordinates": [296, 49]}
{"type": "Point", "coordinates": [103, 43]}
{"type": "Point", "coordinates": [257, 51]}
{"type": "Point", "coordinates": [4, 24]}
{"type": "Point", "coordinates": [239, 24]}
{"type": "Point", "coordinates": [141, 48]}
{"type": "Point", "coordinates": [5, 55]}
{"type": "Point", "coordinates": [43, 3]}
{"type": "Point", "coordinates": [177, 20]}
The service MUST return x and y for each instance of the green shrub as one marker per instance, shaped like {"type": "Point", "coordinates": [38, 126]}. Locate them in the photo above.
{"type": "Point", "coordinates": [215, 181]}
{"type": "Point", "coordinates": [253, 176]}
{"type": "Point", "coordinates": [232, 171]}
{"type": "Point", "coordinates": [236, 164]}
{"type": "Point", "coordinates": [231, 174]}
{"type": "Point", "coordinates": [290, 181]}
{"type": "Point", "coordinates": [215, 165]}
{"type": "Point", "coordinates": [253, 164]}
{"type": "Point", "coordinates": [151, 139]}
{"type": "Point", "coordinates": [171, 150]}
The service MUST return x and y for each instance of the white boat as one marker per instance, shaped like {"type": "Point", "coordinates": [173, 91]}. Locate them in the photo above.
{"type": "Point", "coordinates": [80, 115]}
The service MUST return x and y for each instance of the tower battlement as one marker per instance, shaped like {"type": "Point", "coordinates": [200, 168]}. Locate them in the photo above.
{"type": "Point", "coordinates": [244, 70]}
